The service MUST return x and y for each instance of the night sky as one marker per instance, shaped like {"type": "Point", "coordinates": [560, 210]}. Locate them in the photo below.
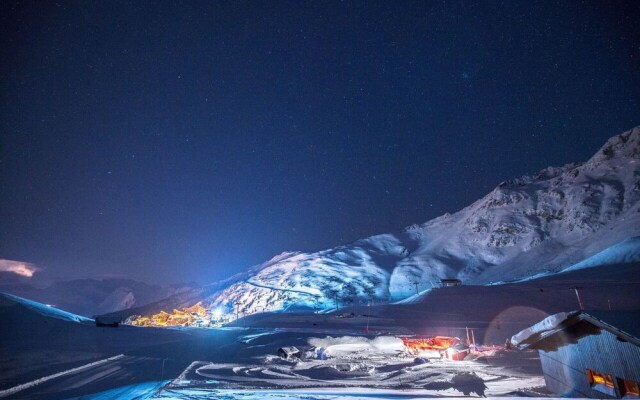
{"type": "Point", "coordinates": [186, 141]}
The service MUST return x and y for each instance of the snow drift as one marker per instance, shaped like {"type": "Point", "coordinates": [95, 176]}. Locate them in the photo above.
{"type": "Point", "coordinates": [42, 309]}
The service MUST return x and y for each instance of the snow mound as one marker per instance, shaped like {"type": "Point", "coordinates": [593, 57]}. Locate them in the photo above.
{"type": "Point", "coordinates": [356, 346]}
{"type": "Point", "coordinates": [46, 310]}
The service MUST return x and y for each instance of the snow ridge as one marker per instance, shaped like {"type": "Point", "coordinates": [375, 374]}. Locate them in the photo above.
{"type": "Point", "coordinates": [533, 225]}
{"type": "Point", "coordinates": [19, 388]}
{"type": "Point", "coordinates": [47, 310]}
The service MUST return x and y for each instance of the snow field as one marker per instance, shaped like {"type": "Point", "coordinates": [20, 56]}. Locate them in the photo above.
{"type": "Point", "coordinates": [19, 388]}
{"type": "Point", "coordinates": [352, 366]}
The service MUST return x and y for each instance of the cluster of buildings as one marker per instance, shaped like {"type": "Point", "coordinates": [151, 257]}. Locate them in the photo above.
{"type": "Point", "coordinates": [592, 354]}
{"type": "Point", "coordinates": [196, 315]}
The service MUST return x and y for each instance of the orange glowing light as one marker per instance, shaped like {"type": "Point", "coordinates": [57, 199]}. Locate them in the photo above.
{"type": "Point", "coordinates": [185, 317]}
{"type": "Point", "coordinates": [417, 345]}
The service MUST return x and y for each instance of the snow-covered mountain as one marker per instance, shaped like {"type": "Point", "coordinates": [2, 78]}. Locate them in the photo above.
{"type": "Point", "coordinates": [530, 226]}
{"type": "Point", "coordinates": [93, 296]}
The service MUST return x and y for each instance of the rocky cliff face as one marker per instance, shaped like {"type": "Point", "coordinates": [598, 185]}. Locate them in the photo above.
{"type": "Point", "coordinates": [530, 226]}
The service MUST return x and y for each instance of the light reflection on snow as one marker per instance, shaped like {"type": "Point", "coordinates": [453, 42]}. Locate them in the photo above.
{"type": "Point", "coordinates": [138, 391]}
{"type": "Point", "coordinates": [506, 322]}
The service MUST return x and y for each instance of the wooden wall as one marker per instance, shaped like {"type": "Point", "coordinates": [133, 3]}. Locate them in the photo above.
{"type": "Point", "coordinates": [568, 354]}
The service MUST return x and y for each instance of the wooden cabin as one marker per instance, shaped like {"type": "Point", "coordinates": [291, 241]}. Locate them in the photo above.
{"type": "Point", "coordinates": [588, 353]}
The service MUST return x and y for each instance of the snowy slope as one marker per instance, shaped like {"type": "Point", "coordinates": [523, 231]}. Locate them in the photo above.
{"type": "Point", "coordinates": [43, 309]}
{"type": "Point", "coordinates": [625, 252]}
{"type": "Point", "coordinates": [534, 225]}
{"type": "Point", "coordinates": [45, 357]}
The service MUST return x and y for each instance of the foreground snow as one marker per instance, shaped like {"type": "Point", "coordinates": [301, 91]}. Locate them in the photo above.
{"type": "Point", "coordinates": [328, 394]}
{"type": "Point", "coordinates": [39, 381]}
{"type": "Point", "coordinates": [240, 363]}
{"type": "Point", "coordinates": [356, 357]}
{"type": "Point", "coordinates": [356, 367]}
{"type": "Point", "coordinates": [361, 368]}
{"type": "Point", "coordinates": [139, 391]}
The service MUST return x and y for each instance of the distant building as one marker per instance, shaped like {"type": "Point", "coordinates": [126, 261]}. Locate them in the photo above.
{"type": "Point", "coordinates": [588, 354]}
{"type": "Point", "coordinates": [450, 282]}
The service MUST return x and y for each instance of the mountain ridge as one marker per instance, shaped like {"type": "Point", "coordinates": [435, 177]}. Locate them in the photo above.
{"type": "Point", "coordinates": [90, 297]}
{"type": "Point", "coordinates": [532, 225]}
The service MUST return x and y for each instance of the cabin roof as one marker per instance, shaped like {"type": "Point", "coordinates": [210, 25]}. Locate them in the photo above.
{"type": "Point", "coordinates": [290, 350]}
{"type": "Point", "coordinates": [620, 323]}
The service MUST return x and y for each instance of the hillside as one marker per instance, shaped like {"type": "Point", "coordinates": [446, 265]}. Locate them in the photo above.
{"type": "Point", "coordinates": [531, 226]}
{"type": "Point", "coordinates": [90, 297]}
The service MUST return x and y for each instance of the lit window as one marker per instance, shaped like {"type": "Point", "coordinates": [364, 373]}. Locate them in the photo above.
{"type": "Point", "coordinates": [601, 382]}
{"type": "Point", "coordinates": [629, 389]}
{"type": "Point", "coordinates": [595, 378]}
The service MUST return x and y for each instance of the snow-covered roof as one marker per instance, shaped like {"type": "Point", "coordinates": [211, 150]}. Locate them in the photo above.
{"type": "Point", "coordinates": [621, 323]}
{"type": "Point", "coordinates": [289, 350]}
